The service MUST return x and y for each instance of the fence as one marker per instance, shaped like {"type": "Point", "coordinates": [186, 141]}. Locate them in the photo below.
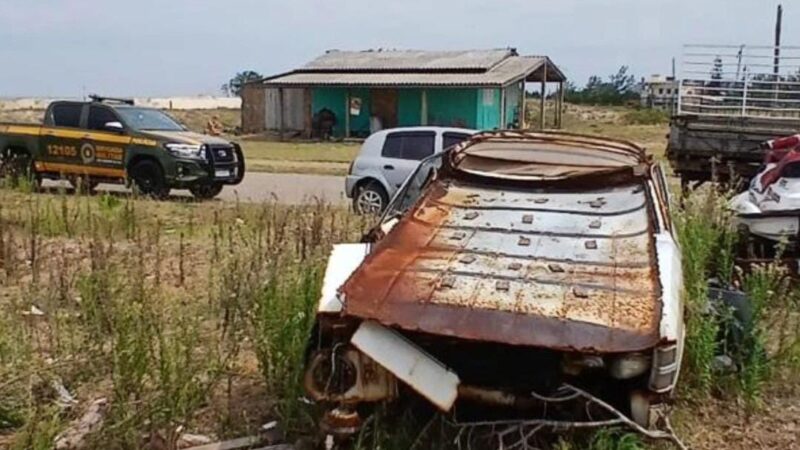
{"type": "Point", "coordinates": [740, 81]}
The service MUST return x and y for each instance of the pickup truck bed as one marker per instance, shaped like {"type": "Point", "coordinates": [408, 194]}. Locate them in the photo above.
{"type": "Point", "coordinates": [701, 147]}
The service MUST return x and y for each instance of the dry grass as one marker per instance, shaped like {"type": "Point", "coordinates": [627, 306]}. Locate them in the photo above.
{"type": "Point", "coordinates": [181, 314]}
{"type": "Point", "coordinates": [608, 121]}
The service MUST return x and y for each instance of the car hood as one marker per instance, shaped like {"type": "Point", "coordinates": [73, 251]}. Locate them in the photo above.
{"type": "Point", "coordinates": [187, 137]}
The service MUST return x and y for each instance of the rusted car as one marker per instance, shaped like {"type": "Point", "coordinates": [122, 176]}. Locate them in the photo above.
{"type": "Point", "coordinates": [532, 276]}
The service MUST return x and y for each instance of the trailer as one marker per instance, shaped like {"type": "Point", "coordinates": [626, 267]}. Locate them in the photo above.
{"type": "Point", "coordinates": [731, 99]}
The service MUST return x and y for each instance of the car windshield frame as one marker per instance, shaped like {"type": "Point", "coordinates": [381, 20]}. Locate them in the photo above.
{"type": "Point", "coordinates": [149, 119]}
{"type": "Point", "coordinates": [422, 175]}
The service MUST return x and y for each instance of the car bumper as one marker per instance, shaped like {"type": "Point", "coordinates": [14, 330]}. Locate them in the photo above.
{"type": "Point", "coordinates": [350, 183]}
{"type": "Point", "coordinates": [186, 172]}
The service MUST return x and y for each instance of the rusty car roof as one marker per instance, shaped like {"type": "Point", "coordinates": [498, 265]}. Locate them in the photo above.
{"type": "Point", "coordinates": [568, 269]}
{"type": "Point", "coordinates": [546, 155]}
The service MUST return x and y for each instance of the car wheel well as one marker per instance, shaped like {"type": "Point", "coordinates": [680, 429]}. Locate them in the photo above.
{"type": "Point", "coordinates": [366, 181]}
{"type": "Point", "coordinates": [139, 158]}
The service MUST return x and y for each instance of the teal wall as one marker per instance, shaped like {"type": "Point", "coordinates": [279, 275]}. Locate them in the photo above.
{"type": "Point", "coordinates": [488, 106]}
{"type": "Point", "coordinates": [469, 108]}
{"type": "Point", "coordinates": [409, 107]}
{"type": "Point", "coordinates": [335, 99]}
{"type": "Point", "coordinates": [452, 107]}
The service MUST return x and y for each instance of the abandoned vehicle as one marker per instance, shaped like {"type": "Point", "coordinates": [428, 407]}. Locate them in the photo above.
{"type": "Point", "coordinates": [534, 275]}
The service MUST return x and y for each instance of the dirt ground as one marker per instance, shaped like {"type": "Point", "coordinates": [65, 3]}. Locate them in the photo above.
{"type": "Point", "coordinates": [725, 424]}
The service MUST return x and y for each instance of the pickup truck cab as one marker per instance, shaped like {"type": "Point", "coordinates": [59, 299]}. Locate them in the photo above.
{"type": "Point", "coordinates": [115, 141]}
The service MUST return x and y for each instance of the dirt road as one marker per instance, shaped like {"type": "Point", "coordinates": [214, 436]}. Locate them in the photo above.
{"type": "Point", "coordinates": [260, 187]}
{"type": "Point", "coordinates": [287, 188]}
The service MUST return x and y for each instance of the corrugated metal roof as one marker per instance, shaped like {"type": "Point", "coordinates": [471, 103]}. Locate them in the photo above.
{"type": "Point", "coordinates": [509, 70]}
{"type": "Point", "coordinates": [371, 60]}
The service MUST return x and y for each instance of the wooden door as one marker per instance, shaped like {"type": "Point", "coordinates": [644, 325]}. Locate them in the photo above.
{"type": "Point", "coordinates": [384, 106]}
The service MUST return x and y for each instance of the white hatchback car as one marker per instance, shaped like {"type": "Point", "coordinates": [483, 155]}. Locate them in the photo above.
{"type": "Point", "coordinates": [388, 157]}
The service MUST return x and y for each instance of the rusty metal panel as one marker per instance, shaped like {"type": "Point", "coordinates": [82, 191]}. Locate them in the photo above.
{"type": "Point", "coordinates": [569, 269]}
{"type": "Point", "coordinates": [294, 111]}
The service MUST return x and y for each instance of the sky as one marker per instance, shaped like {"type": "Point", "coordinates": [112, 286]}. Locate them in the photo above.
{"type": "Point", "coordinates": [66, 48]}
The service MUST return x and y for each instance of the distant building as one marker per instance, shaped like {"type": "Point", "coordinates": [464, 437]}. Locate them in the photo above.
{"type": "Point", "coordinates": [661, 92]}
{"type": "Point", "coordinates": [351, 93]}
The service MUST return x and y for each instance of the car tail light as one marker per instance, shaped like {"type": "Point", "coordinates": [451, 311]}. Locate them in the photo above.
{"type": "Point", "coordinates": [350, 168]}
{"type": "Point", "coordinates": [665, 369]}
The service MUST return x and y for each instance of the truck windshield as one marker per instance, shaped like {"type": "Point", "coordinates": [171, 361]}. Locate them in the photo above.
{"type": "Point", "coordinates": [148, 119]}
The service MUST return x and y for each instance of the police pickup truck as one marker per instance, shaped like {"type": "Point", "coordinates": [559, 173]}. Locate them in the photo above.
{"type": "Point", "coordinates": [114, 141]}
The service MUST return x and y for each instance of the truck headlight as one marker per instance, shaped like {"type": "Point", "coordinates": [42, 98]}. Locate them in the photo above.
{"type": "Point", "coordinates": [629, 366]}
{"type": "Point", "coordinates": [192, 151]}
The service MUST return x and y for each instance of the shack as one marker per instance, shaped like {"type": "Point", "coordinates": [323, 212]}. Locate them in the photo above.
{"type": "Point", "coordinates": [354, 93]}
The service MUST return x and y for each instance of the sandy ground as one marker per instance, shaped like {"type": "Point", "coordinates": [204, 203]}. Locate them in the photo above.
{"type": "Point", "coordinates": [263, 187]}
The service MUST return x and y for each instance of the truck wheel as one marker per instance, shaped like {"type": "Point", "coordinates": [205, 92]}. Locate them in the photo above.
{"type": "Point", "coordinates": [148, 179]}
{"type": "Point", "coordinates": [206, 191]}
{"type": "Point", "coordinates": [370, 199]}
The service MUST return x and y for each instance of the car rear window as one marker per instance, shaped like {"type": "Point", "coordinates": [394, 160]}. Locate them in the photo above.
{"type": "Point", "coordinates": [450, 139]}
{"type": "Point", "coordinates": [99, 116]}
{"type": "Point", "coordinates": [416, 145]}
{"type": "Point", "coordinates": [67, 115]}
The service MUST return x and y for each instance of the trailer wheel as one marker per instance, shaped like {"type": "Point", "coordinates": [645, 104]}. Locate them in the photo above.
{"type": "Point", "coordinates": [148, 179]}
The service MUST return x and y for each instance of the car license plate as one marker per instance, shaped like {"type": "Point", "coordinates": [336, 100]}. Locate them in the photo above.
{"type": "Point", "coordinates": [222, 173]}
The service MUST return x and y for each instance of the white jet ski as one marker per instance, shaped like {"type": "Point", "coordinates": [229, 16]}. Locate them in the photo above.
{"type": "Point", "coordinates": [770, 208]}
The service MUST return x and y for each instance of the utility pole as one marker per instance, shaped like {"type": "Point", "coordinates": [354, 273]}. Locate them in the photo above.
{"type": "Point", "coordinates": [777, 61]}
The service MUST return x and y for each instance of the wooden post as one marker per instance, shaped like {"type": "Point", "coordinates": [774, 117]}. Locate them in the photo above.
{"type": "Point", "coordinates": [281, 107]}
{"type": "Point", "coordinates": [522, 107]}
{"type": "Point", "coordinates": [543, 94]}
{"type": "Point", "coordinates": [561, 106]}
{"type": "Point", "coordinates": [423, 109]}
{"type": "Point", "coordinates": [503, 108]}
{"type": "Point", "coordinates": [308, 122]}
{"type": "Point", "coordinates": [347, 115]}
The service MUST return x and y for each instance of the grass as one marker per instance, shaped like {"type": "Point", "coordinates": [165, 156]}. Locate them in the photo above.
{"type": "Point", "coordinates": [168, 310]}
{"type": "Point", "coordinates": [611, 121]}
{"type": "Point", "coordinates": [322, 158]}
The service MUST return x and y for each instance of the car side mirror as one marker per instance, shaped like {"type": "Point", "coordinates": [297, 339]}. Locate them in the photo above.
{"type": "Point", "coordinates": [115, 127]}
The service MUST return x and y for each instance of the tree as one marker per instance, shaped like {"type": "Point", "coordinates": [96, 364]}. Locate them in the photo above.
{"type": "Point", "coordinates": [619, 89]}
{"type": "Point", "coordinates": [622, 82]}
{"type": "Point", "coordinates": [234, 85]}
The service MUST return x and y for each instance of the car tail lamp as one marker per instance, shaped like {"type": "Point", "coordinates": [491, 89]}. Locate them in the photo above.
{"type": "Point", "coordinates": [350, 168]}
{"type": "Point", "coordinates": [665, 368]}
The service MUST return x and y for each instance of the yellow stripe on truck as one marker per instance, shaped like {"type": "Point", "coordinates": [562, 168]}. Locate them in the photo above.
{"type": "Point", "coordinates": [23, 129]}
{"type": "Point", "coordinates": [88, 135]}
{"type": "Point", "coordinates": [110, 172]}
